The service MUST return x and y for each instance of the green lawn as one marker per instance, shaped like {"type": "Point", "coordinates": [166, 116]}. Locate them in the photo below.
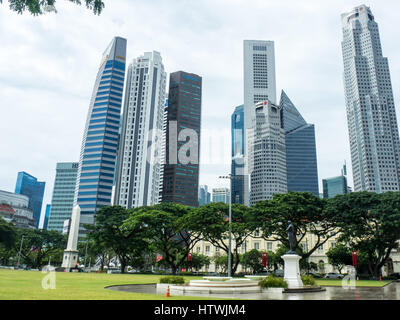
{"type": "Point", "coordinates": [360, 283]}
{"type": "Point", "coordinates": [27, 285]}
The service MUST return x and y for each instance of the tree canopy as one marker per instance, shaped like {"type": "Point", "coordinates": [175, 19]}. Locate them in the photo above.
{"type": "Point", "coordinates": [38, 7]}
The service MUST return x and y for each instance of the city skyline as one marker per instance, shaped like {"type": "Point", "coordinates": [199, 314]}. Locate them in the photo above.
{"type": "Point", "coordinates": [307, 94]}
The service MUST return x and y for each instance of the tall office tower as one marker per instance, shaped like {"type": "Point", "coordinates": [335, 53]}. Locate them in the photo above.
{"type": "Point", "coordinates": [237, 167]}
{"type": "Point", "coordinates": [181, 168]}
{"type": "Point", "coordinates": [46, 217]}
{"type": "Point", "coordinates": [32, 188]}
{"type": "Point", "coordinates": [204, 196]}
{"type": "Point", "coordinates": [100, 140]}
{"type": "Point", "coordinates": [138, 174]}
{"type": "Point", "coordinates": [301, 153]}
{"type": "Point", "coordinates": [63, 194]}
{"type": "Point", "coordinates": [259, 85]}
{"type": "Point", "coordinates": [371, 114]}
{"type": "Point", "coordinates": [336, 185]}
{"type": "Point", "coordinates": [268, 155]}
{"type": "Point", "coordinates": [221, 195]}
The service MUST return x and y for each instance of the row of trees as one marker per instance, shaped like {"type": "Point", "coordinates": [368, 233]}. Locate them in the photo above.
{"type": "Point", "coordinates": [363, 221]}
{"type": "Point", "coordinates": [366, 222]}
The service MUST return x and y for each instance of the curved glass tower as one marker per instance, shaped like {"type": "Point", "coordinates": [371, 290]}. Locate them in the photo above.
{"type": "Point", "coordinates": [100, 140]}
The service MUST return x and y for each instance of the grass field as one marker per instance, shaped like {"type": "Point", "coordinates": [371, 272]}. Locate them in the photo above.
{"type": "Point", "coordinates": [361, 283]}
{"type": "Point", "coordinates": [27, 285]}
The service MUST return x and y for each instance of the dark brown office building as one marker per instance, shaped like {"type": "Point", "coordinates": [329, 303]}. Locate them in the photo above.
{"type": "Point", "coordinates": [181, 169]}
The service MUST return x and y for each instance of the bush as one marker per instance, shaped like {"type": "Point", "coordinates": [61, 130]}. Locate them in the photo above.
{"type": "Point", "coordinates": [172, 280]}
{"type": "Point", "coordinates": [308, 280]}
{"type": "Point", "coordinates": [273, 282]}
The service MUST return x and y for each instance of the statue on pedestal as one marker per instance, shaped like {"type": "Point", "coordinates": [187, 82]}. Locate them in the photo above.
{"type": "Point", "coordinates": [292, 238]}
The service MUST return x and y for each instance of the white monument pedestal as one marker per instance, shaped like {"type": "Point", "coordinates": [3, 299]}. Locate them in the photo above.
{"type": "Point", "coordinates": [292, 271]}
{"type": "Point", "coordinates": [71, 253]}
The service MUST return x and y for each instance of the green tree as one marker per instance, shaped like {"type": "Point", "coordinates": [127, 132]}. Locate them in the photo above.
{"type": "Point", "coordinates": [107, 232]}
{"type": "Point", "coordinates": [8, 234]}
{"type": "Point", "coordinates": [198, 261]}
{"type": "Point", "coordinates": [212, 224]}
{"type": "Point", "coordinates": [340, 256]}
{"type": "Point", "coordinates": [41, 246]}
{"type": "Point", "coordinates": [370, 223]}
{"type": "Point", "coordinates": [253, 260]}
{"type": "Point", "coordinates": [165, 227]}
{"type": "Point", "coordinates": [306, 213]}
{"type": "Point", "coordinates": [38, 7]}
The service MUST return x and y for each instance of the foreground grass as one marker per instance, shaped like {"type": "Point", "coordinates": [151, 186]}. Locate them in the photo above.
{"type": "Point", "coordinates": [360, 283]}
{"type": "Point", "coordinates": [27, 285]}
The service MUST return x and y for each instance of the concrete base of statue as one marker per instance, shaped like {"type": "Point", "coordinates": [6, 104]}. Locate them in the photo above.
{"type": "Point", "coordinates": [292, 271]}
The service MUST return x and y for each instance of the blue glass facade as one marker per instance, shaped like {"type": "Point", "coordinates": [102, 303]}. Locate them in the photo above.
{"type": "Point", "coordinates": [29, 186]}
{"type": "Point", "coordinates": [334, 186]}
{"type": "Point", "coordinates": [99, 148]}
{"type": "Point", "coordinates": [46, 217]}
{"type": "Point", "coordinates": [237, 127]}
{"type": "Point", "coordinates": [301, 154]}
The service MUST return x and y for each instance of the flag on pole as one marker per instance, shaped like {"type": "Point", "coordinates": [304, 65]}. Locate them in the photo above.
{"type": "Point", "coordinates": [190, 256]}
{"type": "Point", "coordinates": [354, 259]}
{"type": "Point", "coordinates": [264, 259]}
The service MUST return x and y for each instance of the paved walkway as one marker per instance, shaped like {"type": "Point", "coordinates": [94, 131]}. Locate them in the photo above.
{"type": "Point", "coordinates": [389, 292]}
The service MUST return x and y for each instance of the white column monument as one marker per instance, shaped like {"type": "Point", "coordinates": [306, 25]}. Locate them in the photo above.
{"type": "Point", "coordinates": [71, 253]}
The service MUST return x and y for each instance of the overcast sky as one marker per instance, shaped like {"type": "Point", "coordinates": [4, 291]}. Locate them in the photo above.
{"type": "Point", "coordinates": [48, 65]}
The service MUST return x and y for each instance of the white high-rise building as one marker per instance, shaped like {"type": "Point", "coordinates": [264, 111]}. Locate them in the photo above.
{"type": "Point", "coordinates": [140, 156]}
{"type": "Point", "coordinates": [267, 156]}
{"type": "Point", "coordinates": [371, 115]}
{"type": "Point", "coordinates": [259, 85]}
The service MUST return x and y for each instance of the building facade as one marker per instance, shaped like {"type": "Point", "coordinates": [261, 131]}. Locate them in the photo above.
{"type": "Point", "coordinates": [138, 176]}
{"type": "Point", "coordinates": [221, 195]}
{"type": "Point", "coordinates": [371, 114]}
{"type": "Point", "coordinates": [267, 157]}
{"type": "Point", "coordinates": [63, 194]}
{"type": "Point", "coordinates": [237, 168]}
{"type": "Point", "coordinates": [100, 140]}
{"type": "Point", "coordinates": [259, 85]}
{"type": "Point", "coordinates": [336, 185]}
{"type": "Point", "coordinates": [15, 208]}
{"type": "Point", "coordinates": [46, 217]}
{"type": "Point", "coordinates": [32, 188]}
{"type": "Point", "coordinates": [181, 168]}
{"type": "Point", "coordinates": [301, 151]}
{"type": "Point", "coordinates": [204, 196]}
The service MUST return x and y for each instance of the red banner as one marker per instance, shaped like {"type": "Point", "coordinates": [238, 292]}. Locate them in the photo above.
{"type": "Point", "coordinates": [159, 258]}
{"type": "Point", "coordinates": [264, 259]}
{"type": "Point", "coordinates": [189, 256]}
{"type": "Point", "coordinates": [355, 259]}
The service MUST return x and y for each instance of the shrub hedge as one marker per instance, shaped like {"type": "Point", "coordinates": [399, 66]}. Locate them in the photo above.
{"type": "Point", "coordinates": [273, 282]}
{"type": "Point", "coordinates": [308, 280]}
{"type": "Point", "coordinates": [172, 280]}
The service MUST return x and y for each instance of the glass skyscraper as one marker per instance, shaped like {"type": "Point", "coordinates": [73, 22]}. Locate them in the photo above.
{"type": "Point", "coordinates": [181, 178]}
{"type": "Point", "coordinates": [29, 186]}
{"type": "Point", "coordinates": [237, 169]}
{"type": "Point", "coordinates": [63, 194]}
{"type": "Point", "coordinates": [204, 196]}
{"type": "Point", "coordinates": [100, 140]}
{"type": "Point", "coordinates": [371, 113]}
{"type": "Point", "coordinates": [46, 217]}
{"type": "Point", "coordinates": [301, 153]}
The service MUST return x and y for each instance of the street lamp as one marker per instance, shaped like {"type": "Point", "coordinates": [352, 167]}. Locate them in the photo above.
{"type": "Point", "coordinates": [230, 177]}
{"type": "Point", "coordinates": [20, 249]}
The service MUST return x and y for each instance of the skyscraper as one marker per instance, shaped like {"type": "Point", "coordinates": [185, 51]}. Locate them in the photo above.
{"type": "Point", "coordinates": [336, 185]}
{"type": "Point", "coordinates": [181, 168]}
{"type": "Point", "coordinates": [221, 195]}
{"type": "Point", "coordinates": [139, 167]}
{"type": "Point", "coordinates": [100, 140]}
{"type": "Point", "coordinates": [237, 169]}
{"type": "Point", "coordinates": [32, 188]}
{"type": "Point", "coordinates": [301, 153]}
{"type": "Point", "coordinates": [259, 85]}
{"type": "Point", "coordinates": [267, 157]}
{"type": "Point", "coordinates": [46, 217]}
{"type": "Point", "coordinates": [371, 114]}
{"type": "Point", "coordinates": [63, 194]}
{"type": "Point", "coordinates": [204, 196]}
